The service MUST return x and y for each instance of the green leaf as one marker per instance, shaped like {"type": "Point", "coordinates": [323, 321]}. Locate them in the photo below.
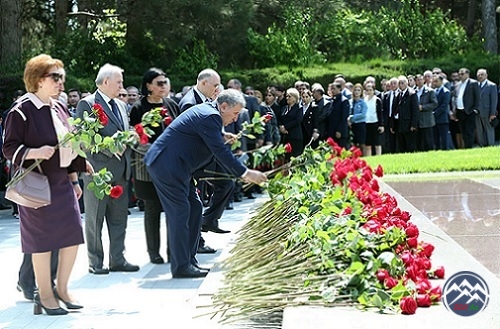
{"type": "Point", "coordinates": [386, 257]}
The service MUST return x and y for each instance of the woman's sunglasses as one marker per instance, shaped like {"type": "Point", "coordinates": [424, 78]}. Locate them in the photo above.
{"type": "Point", "coordinates": [54, 75]}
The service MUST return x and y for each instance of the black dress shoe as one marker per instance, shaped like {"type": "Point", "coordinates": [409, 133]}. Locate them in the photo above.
{"type": "Point", "coordinates": [201, 268]}
{"type": "Point", "coordinates": [69, 305]}
{"type": "Point", "coordinates": [206, 250]}
{"type": "Point", "coordinates": [230, 206]}
{"type": "Point", "coordinates": [190, 272]}
{"type": "Point", "coordinates": [157, 259]}
{"type": "Point", "coordinates": [250, 196]}
{"type": "Point", "coordinates": [37, 309]}
{"type": "Point", "coordinates": [237, 198]}
{"type": "Point", "coordinates": [213, 228]}
{"type": "Point", "coordinates": [98, 270]}
{"type": "Point", "coordinates": [125, 267]}
{"type": "Point", "coordinates": [28, 294]}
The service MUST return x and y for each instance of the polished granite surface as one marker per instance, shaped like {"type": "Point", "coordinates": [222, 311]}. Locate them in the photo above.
{"type": "Point", "coordinates": [467, 208]}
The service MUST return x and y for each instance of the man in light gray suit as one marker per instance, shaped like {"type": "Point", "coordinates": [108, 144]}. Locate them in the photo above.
{"type": "Point", "coordinates": [109, 82]}
{"type": "Point", "coordinates": [487, 109]}
{"type": "Point", "coordinates": [427, 103]}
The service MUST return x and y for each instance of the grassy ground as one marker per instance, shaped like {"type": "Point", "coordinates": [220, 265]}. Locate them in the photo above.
{"type": "Point", "coordinates": [477, 159]}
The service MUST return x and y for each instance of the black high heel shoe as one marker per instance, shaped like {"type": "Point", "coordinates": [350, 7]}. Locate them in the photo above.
{"type": "Point", "coordinates": [37, 309]}
{"type": "Point", "coordinates": [69, 305]}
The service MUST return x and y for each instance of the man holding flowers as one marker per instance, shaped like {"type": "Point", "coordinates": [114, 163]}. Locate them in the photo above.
{"type": "Point", "coordinates": [109, 82]}
{"type": "Point", "coordinates": [188, 144]}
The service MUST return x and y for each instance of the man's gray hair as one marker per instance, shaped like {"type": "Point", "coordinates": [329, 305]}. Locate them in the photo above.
{"type": "Point", "coordinates": [206, 74]}
{"type": "Point", "coordinates": [231, 97]}
{"type": "Point", "coordinates": [106, 72]}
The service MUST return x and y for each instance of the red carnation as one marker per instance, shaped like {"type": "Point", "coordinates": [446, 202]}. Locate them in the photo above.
{"type": "Point", "coordinates": [424, 300]}
{"type": "Point", "coordinates": [382, 274]}
{"type": "Point", "coordinates": [97, 108]}
{"type": "Point", "coordinates": [412, 242]}
{"type": "Point", "coordinates": [143, 139]}
{"type": "Point", "coordinates": [439, 272]}
{"type": "Point", "coordinates": [435, 294]}
{"type": "Point", "coordinates": [268, 117]}
{"type": "Point", "coordinates": [139, 129]}
{"type": "Point", "coordinates": [167, 121]}
{"type": "Point", "coordinates": [390, 282]}
{"type": "Point", "coordinates": [408, 305]}
{"type": "Point", "coordinates": [411, 231]}
{"type": "Point", "coordinates": [116, 191]}
{"type": "Point", "coordinates": [427, 249]}
{"type": "Point", "coordinates": [288, 148]}
{"type": "Point", "coordinates": [331, 142]}
{"type": "Point", "coordinates": [379, 171]}
{"type": "Point", "coordinates": [163, 112]}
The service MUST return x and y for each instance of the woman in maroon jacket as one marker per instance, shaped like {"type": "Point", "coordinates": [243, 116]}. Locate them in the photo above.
{"type": "Point", "coordinates": [33, 127]}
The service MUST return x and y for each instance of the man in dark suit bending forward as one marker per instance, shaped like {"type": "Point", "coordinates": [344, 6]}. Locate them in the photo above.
{"type": "Point", "coordinates": [188, 144]}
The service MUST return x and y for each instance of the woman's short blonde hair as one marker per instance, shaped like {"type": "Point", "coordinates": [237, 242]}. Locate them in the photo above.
{"type": "Point", "coordinates": [294, 93]}
{"type": "Point", "coordinates": [36, 68]}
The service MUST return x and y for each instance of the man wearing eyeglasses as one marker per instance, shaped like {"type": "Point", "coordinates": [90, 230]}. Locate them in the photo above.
{"type": "Point", "coordinates": [468, 102]}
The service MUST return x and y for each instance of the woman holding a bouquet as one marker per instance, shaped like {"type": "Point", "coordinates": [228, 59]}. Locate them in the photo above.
{"type": "Point", "coordinates": [33, 127]}
{"type": "Point", "coordinates": [155, 89]}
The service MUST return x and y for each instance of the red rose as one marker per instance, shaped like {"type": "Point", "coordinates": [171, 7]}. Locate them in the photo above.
{"type": "Point", "coordinates": [331, 142]}
{"type": "Point", "coordinates": [408, 305]}
{"type": "Point", "coordinates": [424, 300]}
{"type": "Point", "coordinates": [435, 294]}
{"type": "Point", "coordinates": [347, 211]}
{"type": "Point", "coordinates": [143, 139]}
{"type": "Point", "coordinates": [163, 112]}
{"type": "Point", "coordinates": [268, 117]}
{"type": "Point", "coordinates": [390, 282]}
{"type": "Point", "coordinates": [167, 121]}
{"type": "Point", "coordinates": [412, 242]}
{"type": "Point", "coordinates": [116, 191]}
{"type": "Point", "coordinates": [103, 118]}
{"type": "Point", "coordinates": [288, 148]}
{"type": "Point", "coordinates": [427, 249]}
{"type": "Point", "coordinates": [379, 171]}
{"type": "Point", "coordinates": [139, 129]}
{"type": "Point", "coordinates": [439, 272]}
{"type": "Point", "coordinates": [382, 274]}
{"type": "Point", "coordinates": [411, 231]}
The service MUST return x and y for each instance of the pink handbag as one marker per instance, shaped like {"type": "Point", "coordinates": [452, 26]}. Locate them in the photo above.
{"type": "Point", "coordinates": [32, 191]}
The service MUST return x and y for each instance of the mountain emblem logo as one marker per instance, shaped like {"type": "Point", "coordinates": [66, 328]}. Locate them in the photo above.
{"type": "Point", "coordinates": [465, 293]}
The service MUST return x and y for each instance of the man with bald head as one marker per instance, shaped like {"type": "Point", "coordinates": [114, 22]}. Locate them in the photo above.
{"type": "Point", "coordinates": [206, 86]}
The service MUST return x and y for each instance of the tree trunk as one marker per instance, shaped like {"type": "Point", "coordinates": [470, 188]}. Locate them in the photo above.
{"type": "Point", "coordinates": [61, 16]}
{"type": "Point", "coordinates": [471, 18]}
{"type": "Point", "coordinates": [490, 26]}
{"type": "Point", "coordinates": [10, 33]}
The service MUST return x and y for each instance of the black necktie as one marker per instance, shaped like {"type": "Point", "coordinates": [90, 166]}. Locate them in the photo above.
{"type": "Point", "coordinates": [116, 112]}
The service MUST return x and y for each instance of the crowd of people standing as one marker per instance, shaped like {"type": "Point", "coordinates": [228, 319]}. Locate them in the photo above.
{"type": "Point", "coordinates": [187, 154]}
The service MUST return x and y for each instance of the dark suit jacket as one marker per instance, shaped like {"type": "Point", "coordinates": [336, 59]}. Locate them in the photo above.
{"type": "Point", "coordinates": [291, 120]}
{"type": "Point", "coordinates": [429, 102]}
{"type": "Point", "coordinates": [337, 120]}
{"type": "Point", "coordinates": [407, 107]}
{"type": "Point", "coordinates": [489, 99]}
{"type": "Point", "coordinates": [190, 99]}
{"type": "Point", "coordinates": [190, 143]}
{"type": "Point", "coordinates": [441, 112]}
{"type": "Point", "coordinates": [105, 159]}
{"type": "Point", "coordinates": [309, 121]}
{"type": "Point", "coordinates": [472, 96]}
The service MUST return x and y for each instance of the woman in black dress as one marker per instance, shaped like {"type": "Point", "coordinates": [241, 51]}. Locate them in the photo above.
{"type": "Point", "coordinates": [155, 88]}
{"type": "Point", "coordinates": [289, 123]}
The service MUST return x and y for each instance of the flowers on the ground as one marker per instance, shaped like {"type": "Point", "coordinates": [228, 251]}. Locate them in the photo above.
{"type": "Point", "coordinates": [329, 236]}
